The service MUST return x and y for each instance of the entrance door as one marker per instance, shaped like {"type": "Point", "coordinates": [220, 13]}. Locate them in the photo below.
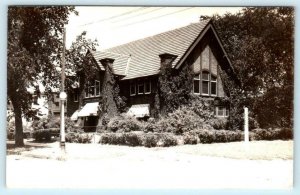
{"type": "Point", "coordinates": [90, 123]}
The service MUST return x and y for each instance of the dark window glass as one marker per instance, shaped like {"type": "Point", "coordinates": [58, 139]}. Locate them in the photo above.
{"type": "Point", "coordinates": [213, 90]}
{"type": "Point", "coordinates": [220, 111]}
{"type": "Point", "coordinates": [147, 87]}
{"type": "Point", "coordinates": [140, 88]}
{"type": "Point", "coordinates": [227, 112]}
{"type": "Point", "coordinates": [196, 86]}
{"type": "Point", "coordinates": [205, 76]}
{"type": "Point", "coordinates": [205, 87]}
{"type": "Point", "coordinates": [97, 84]}
{"type": "Point", "coordinates": [132, 89]}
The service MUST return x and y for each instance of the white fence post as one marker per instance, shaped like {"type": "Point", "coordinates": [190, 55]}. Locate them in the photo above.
{"type": "Point", "coordinates": [246, 125]}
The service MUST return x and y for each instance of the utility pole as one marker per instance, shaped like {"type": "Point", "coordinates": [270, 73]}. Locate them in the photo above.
{"type": "Point", "coordinates": [63, 96]}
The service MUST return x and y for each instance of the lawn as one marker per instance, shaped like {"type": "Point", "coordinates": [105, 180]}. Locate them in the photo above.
{"type": "Point", "coordinates": [254, 150]}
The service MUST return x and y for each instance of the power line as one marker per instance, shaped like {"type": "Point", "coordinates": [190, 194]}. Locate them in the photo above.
{"type": "Point", "coordinates": [153, 18]}
{"type": "Point", "coordinates": [144, 13]}
{"type": "Point", "coordinates": [116, 16]}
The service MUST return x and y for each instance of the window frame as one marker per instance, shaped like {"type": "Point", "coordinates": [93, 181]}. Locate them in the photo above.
{"type": "Point", "coordinates": [145, 83]}
{"type": "Point", "coordinates": [95, 89]}
{"type": "Point", "coordinates": [94, 93]}
{"type": "Point", "coordinates": [225, 111]}
{"type": "Point", "coordinates": [207, 81]}
{"type": "Point", "coordinates": [142, 84]}
{"type": "Point", "coordinates": [216, 82]}
{"type": "Point", "coordinates": [199, 82]}
{"type": "Point", "coordinates": [132, 84]}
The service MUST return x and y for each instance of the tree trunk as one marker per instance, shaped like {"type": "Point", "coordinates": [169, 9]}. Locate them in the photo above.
{"type": "Point", "coordinates": [18, 125]}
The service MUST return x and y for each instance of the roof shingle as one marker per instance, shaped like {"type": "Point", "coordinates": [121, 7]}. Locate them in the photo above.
{"type": "Point", "coordinates": [144, 53]}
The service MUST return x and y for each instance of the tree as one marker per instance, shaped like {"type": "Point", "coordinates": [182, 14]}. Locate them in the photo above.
{"type": "Point", "coordinates": [80, 63]}
{"type": "Point", "coordinates": [260, 44]}
{"type": "Point", "coordinates": [34, 49]}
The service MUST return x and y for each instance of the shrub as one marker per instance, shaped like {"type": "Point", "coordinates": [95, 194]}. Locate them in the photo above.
{"type": "Point", "coordinates": [123, 123]}
{"type": "Point", "coordinates": [150, 125]}
{"type": "Point", "coordinates": [10, 129]}
{"type": "Point", "coordinates": [139, 139]}
{"type": "Point", "coordinates": [181, 120]}
{"type": "Point", "coordinates": [42, 135]}
{"type": "Point", "coordinates": [150, 140]}
{"type": "Point", "coordinates": [191, 138]}
{"type": "Point", "coordinates": [112, 138]}
{"type": "Point", "coordinates": [221, 136]}
{"type": "Point", "coordinates": [206, 136]}
{"type": "Point", "coordinates": [286, 133]}
{"type": "Point", "coordinates": [212, 136]}
{"type": "Point", "coordinates": [272, 134]}
{"type": "Point", "coordinates": [132, 139]}
{"type": "Point", "coordinates": [166, 140]}
{"type": "Point", "coordinates": [78, 138]}
{"type": "Point", "coordinates": [219, 123]}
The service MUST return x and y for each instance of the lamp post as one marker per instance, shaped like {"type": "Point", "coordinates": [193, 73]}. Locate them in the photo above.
{"type": "Point", "coordinates": [63, 97]}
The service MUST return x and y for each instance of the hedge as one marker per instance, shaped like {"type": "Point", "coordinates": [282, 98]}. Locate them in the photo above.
{"type": "Point", "coordinates": [139, 139]}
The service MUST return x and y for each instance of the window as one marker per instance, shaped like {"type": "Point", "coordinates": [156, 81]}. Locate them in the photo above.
{"type": "Point", "coordinates": [222, 112]}
{"type": "Point", "coordinates": [92, 89]}
{"type": "Point", "coordinates": [76, 97]}
{"type": "Point", "coordinates": [147, 87]}
{"type": "Point", "coordinates": [213, 85]}
{"type": "Point", "coordinates": [97, 86]}
{"type": "Point", "coordinates": [205, 83]}
{"type": "Point", "coordinates": [140, 88]}
{"type": "Point", "coordinates": [132, 89]}
{"type": "Point", "coordinates": [196, 86]}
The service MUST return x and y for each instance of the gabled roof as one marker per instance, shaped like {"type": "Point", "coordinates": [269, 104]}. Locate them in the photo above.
{"type": "Point", "coordinates": [145, 52]}
{"type": "Point", "coordinates": [140, 58]}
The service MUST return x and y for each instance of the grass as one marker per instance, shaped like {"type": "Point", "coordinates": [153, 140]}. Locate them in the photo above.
{"type": "Point", "coordinates": [255, 150]}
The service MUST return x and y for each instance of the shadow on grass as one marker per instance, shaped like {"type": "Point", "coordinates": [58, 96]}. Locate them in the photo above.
{"type": "Point", "coordinates": [29, 145]}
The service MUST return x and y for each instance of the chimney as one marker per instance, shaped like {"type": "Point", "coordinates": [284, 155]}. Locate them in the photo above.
{"type": "Point", "coordinates": [107, 63]}
{"type": "Point", "coordinates": [167, 59]}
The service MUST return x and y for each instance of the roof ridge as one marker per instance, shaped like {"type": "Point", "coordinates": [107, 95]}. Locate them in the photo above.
{"type": "Point", "coordinates": [205, 22]}
{"type": "Point", "coordinates": [103, 51]}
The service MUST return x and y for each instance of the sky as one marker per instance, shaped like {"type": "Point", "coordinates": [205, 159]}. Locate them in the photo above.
{"type": "Point", "coordinates": [113, 26]}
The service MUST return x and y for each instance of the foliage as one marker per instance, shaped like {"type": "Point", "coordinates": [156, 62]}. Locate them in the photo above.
{"type": "Point", "coordinates": [51, 123]}
{"type": "Point", "coordinates": [123, 123]}
{"type": "Point", "coordinates": [260, 44]}
{"type": "Point", "coordinates": [197, 114]}
{"type": "Point", "coordinates": [219, 123]}
{"type": "Point", "coordinates": [272, 134]}
{"type": "Point", "coordinates": [42, 135]}
{"type": "Point", "coordinates": [211, 136]}
{"type": "Point", "coordinates": [34, 48]}
{"type": "Point", "coordinates": [139, 139]}
{"type": "Point", "coordinates": [73, 137]}
{"type": "Point", "coordinates": [109, 105]}
{"type": "Point", "coordinates": [10, 129]}
{"type": "Point", "coordinates": [174, 87]}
